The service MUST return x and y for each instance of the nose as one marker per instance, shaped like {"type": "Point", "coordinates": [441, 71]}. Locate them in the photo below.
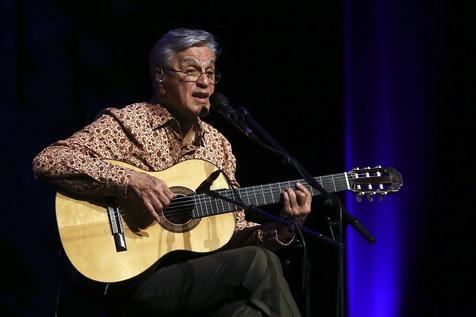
{"type": "Point", "coordinates": [203, 80]}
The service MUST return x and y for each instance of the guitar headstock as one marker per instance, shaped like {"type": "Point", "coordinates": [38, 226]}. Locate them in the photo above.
{"type": "Point", "coordinates": [370, 181]}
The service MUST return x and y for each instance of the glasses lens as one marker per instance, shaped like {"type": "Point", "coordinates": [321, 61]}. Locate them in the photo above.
{"type": "Point", "coordinates": [213, 77]}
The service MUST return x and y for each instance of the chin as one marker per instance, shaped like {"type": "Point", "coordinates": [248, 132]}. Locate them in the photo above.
{"type": "Point", "coordinates": [204, 110]}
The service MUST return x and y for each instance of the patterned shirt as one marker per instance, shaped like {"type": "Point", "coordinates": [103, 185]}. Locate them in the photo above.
{"type": "Point", "coordinates": [147, 136]}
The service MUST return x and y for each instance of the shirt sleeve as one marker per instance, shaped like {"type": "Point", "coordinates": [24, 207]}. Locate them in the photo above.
{"type": "Point", "coordinates": [266, 235]}
{"type": "Point", "coordinates": [78, 165]}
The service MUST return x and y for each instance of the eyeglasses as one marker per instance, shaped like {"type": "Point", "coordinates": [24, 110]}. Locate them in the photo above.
{"type": "Point", "coordinates": [194, 75]}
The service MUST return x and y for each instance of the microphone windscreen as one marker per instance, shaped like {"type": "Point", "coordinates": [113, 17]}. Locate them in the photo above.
{"type": "Point", "coordinates": [219, 102]}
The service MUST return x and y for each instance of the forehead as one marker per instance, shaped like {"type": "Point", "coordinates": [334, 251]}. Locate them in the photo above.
{"type": "Point", "coordinates": [200, 55]}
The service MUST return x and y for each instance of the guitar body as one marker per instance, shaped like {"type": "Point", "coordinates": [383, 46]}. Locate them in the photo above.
{"type": "Point", "coordinates": [87, 239]}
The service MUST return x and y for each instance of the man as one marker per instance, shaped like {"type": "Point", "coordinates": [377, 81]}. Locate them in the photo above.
{"type": "Point", "coordinates": [241, 280]}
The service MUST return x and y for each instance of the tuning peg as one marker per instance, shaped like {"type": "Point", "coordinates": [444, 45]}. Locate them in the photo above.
{"type": "Point", "coordinates": [358, 198]}
{"type": "Point", "coordinates": [378, 166]}
{"type": "Point", "coordinates": [380, 197]}
{"type": "Point", "coordinates": [370, 197]}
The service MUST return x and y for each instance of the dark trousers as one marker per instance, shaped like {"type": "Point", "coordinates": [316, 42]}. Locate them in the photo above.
{"type": "Point", "coordinates": [247, 281]}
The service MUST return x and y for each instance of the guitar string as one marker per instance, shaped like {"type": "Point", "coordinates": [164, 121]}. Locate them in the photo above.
{"type": "Point", "coordinates": [274, 189]}
{"type": "Point", "coordinates": [257, 188]}
{"type": "Point", "coordinates": [328, 178]}
{"type": "Point", "coordinates": [181, 203]}
{"type": "Point", "coordinates": [190, 201]}
{"type": "Point", "coordinates": [338, 177]}
{"type": "Point", "coordinates": [179, 209]}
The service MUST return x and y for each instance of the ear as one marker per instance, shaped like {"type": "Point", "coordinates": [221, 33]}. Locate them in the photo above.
{"type": "Point", "coordinates": [159, 80]}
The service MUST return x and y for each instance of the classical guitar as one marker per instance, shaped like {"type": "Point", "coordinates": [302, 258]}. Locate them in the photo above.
{"type": "Point", "coordinates": [107, 243]}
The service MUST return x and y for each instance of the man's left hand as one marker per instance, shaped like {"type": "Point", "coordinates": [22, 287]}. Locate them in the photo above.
{"type": "Point", "coordinates": [296, 203]}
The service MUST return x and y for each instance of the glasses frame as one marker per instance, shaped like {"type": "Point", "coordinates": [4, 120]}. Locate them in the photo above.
{"type": "Point", "coordinates": [217, 75]}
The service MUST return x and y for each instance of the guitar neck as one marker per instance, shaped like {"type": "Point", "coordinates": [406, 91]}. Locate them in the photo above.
{"type": "Point", "coordinates": [261, 195]}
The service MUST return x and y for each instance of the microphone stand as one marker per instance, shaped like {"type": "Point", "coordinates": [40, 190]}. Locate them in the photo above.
{"type": "Point", "coordinates": [239, 119]}
{"type": "Point", "coordinates": [331, 200]}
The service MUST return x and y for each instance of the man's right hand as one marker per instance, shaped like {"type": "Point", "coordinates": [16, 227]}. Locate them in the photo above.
{"type": "Point", "coordinates": [149, 193]}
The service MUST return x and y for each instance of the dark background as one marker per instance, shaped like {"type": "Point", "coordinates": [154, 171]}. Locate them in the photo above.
{"type": "Point", "coordinates": [62, 62]}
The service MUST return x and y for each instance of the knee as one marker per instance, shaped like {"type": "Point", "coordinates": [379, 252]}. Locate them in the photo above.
{"type": "Point", "coordinates": [263, 264]}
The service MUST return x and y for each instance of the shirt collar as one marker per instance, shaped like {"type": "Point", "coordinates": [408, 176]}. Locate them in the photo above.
{"type": "Point", "coordinates": [160, 116]}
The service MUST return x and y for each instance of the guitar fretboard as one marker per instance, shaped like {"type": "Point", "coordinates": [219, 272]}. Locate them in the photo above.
{"type": "Point", "coordinates": [261, 195]}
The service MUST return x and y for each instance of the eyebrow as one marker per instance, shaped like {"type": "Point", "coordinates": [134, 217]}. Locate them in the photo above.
{"type": "Point", "coordinates": [194, 61]}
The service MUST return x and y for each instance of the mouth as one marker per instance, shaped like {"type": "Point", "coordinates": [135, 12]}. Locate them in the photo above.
{"type": "Point", "coordinates": [201, 97]}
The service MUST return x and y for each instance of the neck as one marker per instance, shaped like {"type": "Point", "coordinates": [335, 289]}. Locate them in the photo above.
{"type": "Point", "coordinates": [186, 122]}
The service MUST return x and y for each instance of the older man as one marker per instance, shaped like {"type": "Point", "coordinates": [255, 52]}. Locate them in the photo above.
{"type": "Point", "coordinates": [244, 279]}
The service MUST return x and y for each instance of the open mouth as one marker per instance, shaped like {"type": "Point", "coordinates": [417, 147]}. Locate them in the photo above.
{"type": "Point", "coordinates": [201, 97]}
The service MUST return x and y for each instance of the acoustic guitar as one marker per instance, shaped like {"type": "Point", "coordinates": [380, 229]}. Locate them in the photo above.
{"type": "Point", "coordinates": [110, 243]}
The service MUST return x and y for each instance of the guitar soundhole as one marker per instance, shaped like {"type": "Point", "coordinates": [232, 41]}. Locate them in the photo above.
{"type": "Point", "coordinates": [180, 211]}
{"type": "Point", "coordinates": [178, 216]}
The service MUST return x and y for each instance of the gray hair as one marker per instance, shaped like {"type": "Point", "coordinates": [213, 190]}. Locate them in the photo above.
{"type": "Point", "coordinates": [178, 40]}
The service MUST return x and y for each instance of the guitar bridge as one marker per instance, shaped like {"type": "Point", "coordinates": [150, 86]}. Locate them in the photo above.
{"type": "Point", "coordinates": [117, 229]}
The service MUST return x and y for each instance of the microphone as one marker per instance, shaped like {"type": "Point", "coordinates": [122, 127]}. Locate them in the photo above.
{"type": "Point", "coordinates": [221, 104]}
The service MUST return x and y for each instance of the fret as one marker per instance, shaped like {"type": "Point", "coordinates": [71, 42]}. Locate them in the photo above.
{"type": "Point", "coordinates": [207, 204]}
{"type": "Point", "coordinates": [281, 187]}
{"type": "Point", "coordinates": [200, 211]}
{"type": "Point", "coordinates": [334, 183]}
{"type": "Point", "coordinates": [270, 193]}
{"type": "Point", "coordinates": [328, 182]}
{"type": "Point", "coordinates": [341, 183]}
{"type": "Point", "coordinates": [256, 198]}
{"type": "Point", "coordinates": [198, 205]}
{"type": "Point", "coordinates": [338, 182]}
{"type": "Point", "coordinates": [325, 182]}
{"type": "Point", "coordinates": [320, 181]}
{"type": "Point", "coordinates": [207, 201]}
{"type": "Point", "coordinates": [206, 207]}
{"type": "Point", "coordinates": [222, 206]}
{"type": "Point", "coordinates": [262, 193]}
{"type": "Point", "coordinates": [277, 193]}
{"type": "Point", "coordinates": [215, 208]}
{"type": "Point", "coordinates": [247, 197]}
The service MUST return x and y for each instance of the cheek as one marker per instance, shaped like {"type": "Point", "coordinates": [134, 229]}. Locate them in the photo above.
{"type": "Point", "coordinates": [176, 92]}
{"type": "Point", "coordinates": [185, 93]}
